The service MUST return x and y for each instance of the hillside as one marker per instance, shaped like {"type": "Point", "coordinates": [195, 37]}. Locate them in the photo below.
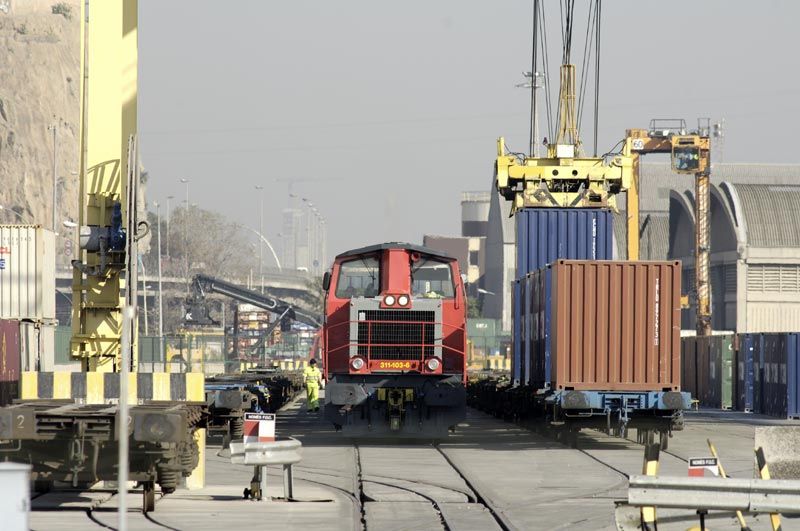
{"type": "Point", "coordinates": [39, 86]}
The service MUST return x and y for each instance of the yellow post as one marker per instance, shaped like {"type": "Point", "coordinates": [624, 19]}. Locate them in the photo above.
{"type": "Point", "coordinates": [652, 451]}
{"type": "Point", "coordinates": [763, 472]}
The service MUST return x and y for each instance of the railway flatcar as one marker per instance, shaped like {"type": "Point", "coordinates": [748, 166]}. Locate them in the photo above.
{"type": "Point", "coordinates": [394, 342]}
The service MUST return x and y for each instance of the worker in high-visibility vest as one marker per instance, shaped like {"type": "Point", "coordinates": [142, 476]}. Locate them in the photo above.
{"type": "Point", "coordinates": [313, 379]}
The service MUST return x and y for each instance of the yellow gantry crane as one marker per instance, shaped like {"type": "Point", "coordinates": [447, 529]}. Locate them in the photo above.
{"type": "Point", "coordinates": [567, 178]}
{"type": "Point", "coordinates": [104, 276]}
{"type": "Point", "coordinates": [690, 153]}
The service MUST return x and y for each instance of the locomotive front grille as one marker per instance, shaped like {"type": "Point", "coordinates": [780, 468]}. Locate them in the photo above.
{"type": "Point", "coordinates": [396, 334]}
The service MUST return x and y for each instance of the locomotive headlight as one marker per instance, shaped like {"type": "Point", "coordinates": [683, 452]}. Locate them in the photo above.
{"type": "Point", "coordinates": [389, 300]}
{"type": "Point", "coordinates": [433, 364]}
{"type": "Point", "coordinates": [402, 300]}
{"type": "Point", "coordinates": [357, 364]}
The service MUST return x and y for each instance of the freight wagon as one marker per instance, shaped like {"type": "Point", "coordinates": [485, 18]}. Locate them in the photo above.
{"type": "Point", "coordinates": [601, 346]}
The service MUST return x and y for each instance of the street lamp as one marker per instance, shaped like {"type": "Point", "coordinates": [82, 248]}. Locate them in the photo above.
{"type": "Point", "coordinates": [160, 292]}
{"type": "Point", "coordinates": [54, 128]}
{"type": "Point", "coordinates": [186, 236]}
{"type": "Point", "coordinates": [260, 231]}
{"type": "Point", "coordinates": [169, 216]}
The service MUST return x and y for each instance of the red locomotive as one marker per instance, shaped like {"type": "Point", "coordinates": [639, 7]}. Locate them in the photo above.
{"type": "Point", "coordinates": [395, 339]}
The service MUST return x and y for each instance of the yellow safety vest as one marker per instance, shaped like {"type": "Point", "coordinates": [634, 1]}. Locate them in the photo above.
{"type": "Point", "coordinates": [312, 375]}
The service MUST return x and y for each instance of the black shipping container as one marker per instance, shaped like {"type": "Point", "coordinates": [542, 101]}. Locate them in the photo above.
{"type": "Point", "coordinates": [707, 369]}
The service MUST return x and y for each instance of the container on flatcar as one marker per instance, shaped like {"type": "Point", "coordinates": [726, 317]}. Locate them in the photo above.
{"type": "Point", "coordinates": [545, 235]}
{"type": "Point", "coordinates": [607, 325]}
{"type": "Point", "coordinates": [516, 332]}
{"type": "Point", "coordinates": [27, 272]}
{"type": "Point", "coordinates": [9, 361]}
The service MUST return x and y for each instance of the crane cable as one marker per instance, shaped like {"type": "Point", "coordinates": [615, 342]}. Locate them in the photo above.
{"type": "Point", "coordinates": [546, 61]}
{"type": "Point", "coordinates": [597, 73]}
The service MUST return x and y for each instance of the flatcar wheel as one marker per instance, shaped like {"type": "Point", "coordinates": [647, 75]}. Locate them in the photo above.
{"type": "Point", "coordinates": [148, 496]}
{"type": "Point", "coordinates": [664, 440]}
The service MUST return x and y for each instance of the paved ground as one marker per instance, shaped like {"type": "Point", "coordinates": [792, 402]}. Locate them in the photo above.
{"type": "Point", "coordinates": [531, 482]}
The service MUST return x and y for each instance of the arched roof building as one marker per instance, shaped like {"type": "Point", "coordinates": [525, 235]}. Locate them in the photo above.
{"type": "Point", "coordinates": [755, 255]}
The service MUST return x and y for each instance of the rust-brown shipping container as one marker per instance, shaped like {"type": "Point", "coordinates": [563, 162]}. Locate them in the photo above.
{"type": "Point", "coordinates": [9, 361]}
{"type": "Point", "coordinates": [608, 325]}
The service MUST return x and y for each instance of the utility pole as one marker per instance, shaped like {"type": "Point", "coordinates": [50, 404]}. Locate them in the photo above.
{"type": "Point", "coordinates": [54, 129]}
{"type": "Point", "coordinates": [261, 231]}
{"type": "Point", "coordinates": [160, 289]}
{"type": "Point", "coordinates": [186, 236]}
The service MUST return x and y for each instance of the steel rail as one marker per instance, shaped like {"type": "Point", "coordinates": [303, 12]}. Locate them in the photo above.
{"type": "Point", "coordinates": [498, 516]}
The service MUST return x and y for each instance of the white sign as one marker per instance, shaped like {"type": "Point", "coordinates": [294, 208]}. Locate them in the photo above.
{"type": "Point", "coordinates": [259, 427]}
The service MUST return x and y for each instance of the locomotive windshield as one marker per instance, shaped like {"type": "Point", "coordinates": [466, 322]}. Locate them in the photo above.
{"type": "Point", "coordinates": [431, 279]}
{"type": "Point", "coordinates": [359, 277]}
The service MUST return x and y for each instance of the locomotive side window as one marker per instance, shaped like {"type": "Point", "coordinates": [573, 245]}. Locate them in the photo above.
{"type": "Point", "coordinates": [431, 279]}
{"type": "Point", "coordinates": [359, 277]}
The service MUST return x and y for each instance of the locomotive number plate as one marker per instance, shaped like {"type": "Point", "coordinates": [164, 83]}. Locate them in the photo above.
{"type": "Point", "coordinates": [396, 365]}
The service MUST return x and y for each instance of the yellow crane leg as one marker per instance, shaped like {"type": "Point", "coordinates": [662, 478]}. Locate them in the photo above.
{"type": "Point", "coordinates": [702, 252]}
{"type": "Point", "coordinates": [108, 120]}
{"type": "Point", "coordinates": [632, 210]}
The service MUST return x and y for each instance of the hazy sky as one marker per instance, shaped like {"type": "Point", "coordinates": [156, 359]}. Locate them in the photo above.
{"type": "Point", "coordinates": [383, 112]}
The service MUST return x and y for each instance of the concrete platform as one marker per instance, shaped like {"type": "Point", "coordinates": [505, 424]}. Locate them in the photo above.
{"type": "Point", "coordinates": [533, 482]}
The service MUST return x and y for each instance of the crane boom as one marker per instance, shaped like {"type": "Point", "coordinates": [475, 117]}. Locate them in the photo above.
{"type": "Point", "coordinates": [202, 284]}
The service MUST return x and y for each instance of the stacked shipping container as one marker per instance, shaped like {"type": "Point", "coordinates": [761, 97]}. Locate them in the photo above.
{"type": "Point", "coordinates": [768, 374]}
{"type": "Point", "coordinates": [27, 304]}
{"type": "Point", "coordinates": [603, 325]}
{"type": "Point", "coordinates": [707, 368]}
{"type": "Point", "coordinates": [545, 235]}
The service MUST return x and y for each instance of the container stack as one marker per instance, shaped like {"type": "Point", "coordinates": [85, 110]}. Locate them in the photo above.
{"type": "Point", "coordinates": [249, 327]}
{"type": "Point", "coordinates": [27, 303]}
{"type": "Point", "coordinates": [545, 235]}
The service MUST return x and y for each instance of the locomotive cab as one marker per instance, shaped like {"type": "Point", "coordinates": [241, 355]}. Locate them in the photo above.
{"type": "Point", "coordinates": [395, 317]}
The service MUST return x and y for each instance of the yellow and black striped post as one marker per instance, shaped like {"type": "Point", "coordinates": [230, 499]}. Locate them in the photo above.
{"type": "Point", "coordinates": [763, 472]}
{"type": "Point", "coordinates": [103, 388]}
{"type": "Point", "coordinates": [652, 450]}
{"type": "Point", "coordinates": [739, 516]}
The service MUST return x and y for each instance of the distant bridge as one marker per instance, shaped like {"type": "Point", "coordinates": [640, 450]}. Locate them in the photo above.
{"type": "Point", "coordinates": [292, 286]}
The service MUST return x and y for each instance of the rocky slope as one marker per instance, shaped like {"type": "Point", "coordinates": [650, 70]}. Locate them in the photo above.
{"type": "Point", "coordinates": [39, 87]}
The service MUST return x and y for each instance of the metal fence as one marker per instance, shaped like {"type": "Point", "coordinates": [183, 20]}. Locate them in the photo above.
{"type": "Point", "coordinates": [211, 353]}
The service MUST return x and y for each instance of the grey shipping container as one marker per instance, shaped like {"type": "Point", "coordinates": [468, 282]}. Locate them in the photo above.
{"type": "Point", "coordinates": [9, 361]}
{"type": "Point", "coordinates": [607, 325]}
{"type": "Point", "coordinates": [27, 272]}
{"type": "Point", "coordinates": [545, 235]}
